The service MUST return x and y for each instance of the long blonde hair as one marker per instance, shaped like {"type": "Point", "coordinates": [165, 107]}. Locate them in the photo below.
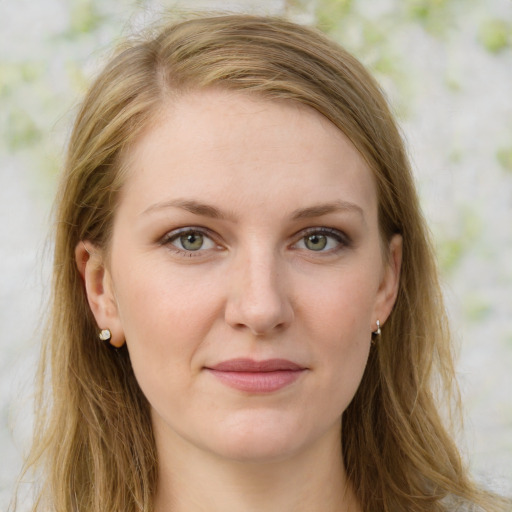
{"type": "Point", "coordinates": [93, 442]}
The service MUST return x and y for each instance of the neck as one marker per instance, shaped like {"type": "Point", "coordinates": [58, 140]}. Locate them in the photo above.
{"type": "Point", "coordinates": [191, 480]}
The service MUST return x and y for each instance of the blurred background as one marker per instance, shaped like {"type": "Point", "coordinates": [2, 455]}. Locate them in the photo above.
{"type": "Point", "coordinates": [446, 66]}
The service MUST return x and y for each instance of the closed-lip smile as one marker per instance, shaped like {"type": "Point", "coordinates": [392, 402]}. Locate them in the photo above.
{"type": "Point", "coordinates": [252, 376]}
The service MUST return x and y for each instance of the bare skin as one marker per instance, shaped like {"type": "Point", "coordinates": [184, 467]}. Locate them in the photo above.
{"type": "Point", "coordinates": [247, 231]}
{"type": "Point", "coordinates": [300, 483]}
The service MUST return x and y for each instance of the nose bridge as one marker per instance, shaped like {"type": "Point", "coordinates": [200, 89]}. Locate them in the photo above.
{"type": "Point", "coordinates": [259, 295]}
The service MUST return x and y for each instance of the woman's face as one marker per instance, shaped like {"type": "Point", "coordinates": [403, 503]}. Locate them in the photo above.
{"type": "Point", "coordinates": [246, 274]}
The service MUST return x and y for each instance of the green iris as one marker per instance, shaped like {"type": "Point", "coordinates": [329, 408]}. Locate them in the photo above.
{"type": "Point", "coordinates": [315, 242]}
{"type": "Point", "coordinates": [192, 241]}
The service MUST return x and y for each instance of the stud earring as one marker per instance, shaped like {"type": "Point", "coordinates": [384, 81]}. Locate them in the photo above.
{"type": "Point", "coordinates": [105, 335]}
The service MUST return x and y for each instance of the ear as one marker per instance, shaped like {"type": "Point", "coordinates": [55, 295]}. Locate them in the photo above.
{"type": "Point", "coordinates": [99, 290]}
{"type": "Point", "coordinates": [389, 284]}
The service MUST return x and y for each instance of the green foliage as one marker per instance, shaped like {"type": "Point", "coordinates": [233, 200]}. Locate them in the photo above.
{"type": "Point", "coordinates": [452, 81]}
{"type": "Point", "coordinates": [37, 96]}
{"type": "Point", "coordinates": [456, 155]}
{"type": "Point", "coordinates": [21, 130]}
{"type": "Point", "coordinates": [84, 16]}
{"type": "Point", "coordinates": [435, 15]}
{"type": "Point", "coordinates": [423, 9]}
{"type": "Point", "coordinates": [15, 74]}
{"type": "Point", "coordinates": [9, 75]}
{"type": "Point", "coordinates": [77, 79]}
{"type": "Point", "coordinates": [495, 35]}
{"type": "Point", "coordinates": [504, 156]}
{"type": "Point", "coordinates": [31, 71]}
{"type": "Point", "coordinates": [329, 13]}
{"type": "Point", "coordinates": [296, 5]}
{"type": "Point", "coordinates": [476, 307]}
{"type": "Point", "coordinates": [374, 33]}
{"type": "Point", "coordinates": [449, 253]}
{"type": "Point", "coordinates": [385, 64]}
{"type": "Point", "coordinates": [369, 39]}
{"type": "Point", "coordinates": [451, 248]}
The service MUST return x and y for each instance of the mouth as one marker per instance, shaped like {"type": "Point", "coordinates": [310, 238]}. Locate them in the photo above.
{"type": "Point", "coordinates": [257, 376]}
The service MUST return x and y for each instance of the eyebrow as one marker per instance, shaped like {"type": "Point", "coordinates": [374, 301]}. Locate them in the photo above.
{"type": "Point", "coordinates": [326, 208]}
{"type": "Point", "coordinates": [189, 205]}
{"type": "Point", "coordinates": [207, 210]}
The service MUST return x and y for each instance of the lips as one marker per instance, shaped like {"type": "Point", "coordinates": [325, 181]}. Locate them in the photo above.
{"type": "Point", "coordinates": [257, 376]}
{"type": "Point", "coordinates": [248, 365]}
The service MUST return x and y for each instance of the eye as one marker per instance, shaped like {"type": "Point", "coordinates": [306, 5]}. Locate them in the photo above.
{"type": "Point", "coordinates": [316, 242]}
{"type": "Point", "coordinates": [322, 240]}
{"type": "Point", "coordinates": [189, 240]}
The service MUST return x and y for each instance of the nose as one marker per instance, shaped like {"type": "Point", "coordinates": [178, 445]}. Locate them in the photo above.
{"type": "Point", "coordinates": [258, 295]}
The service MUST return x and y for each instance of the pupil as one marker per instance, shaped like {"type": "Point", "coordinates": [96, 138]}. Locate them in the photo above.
{"type": "Point", "coordinates": [316, 242]}
{"type": "Point", "coordinates": [192, 241]}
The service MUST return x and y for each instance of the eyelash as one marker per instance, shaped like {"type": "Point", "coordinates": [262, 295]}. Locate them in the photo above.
{"type": "Point", "coordinates": [341, 239]}
{"type": "Point", "coordinates": [172, 236]}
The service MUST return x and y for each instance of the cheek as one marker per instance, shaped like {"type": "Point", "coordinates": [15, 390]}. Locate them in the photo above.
{"type": "Point", "coordinates": [164, 330]}
{"type": "Point", "coordinates": [165, 315]}
{"type": "Point", "coordinates": [343, 303]}
{"type": "Point", "coordinates": [339, 321]}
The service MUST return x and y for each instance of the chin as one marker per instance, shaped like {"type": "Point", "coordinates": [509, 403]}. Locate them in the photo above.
{"type": "Point", "coordinates": [257, 451]}
{"type": "Point", "coordinates": [260, 439]}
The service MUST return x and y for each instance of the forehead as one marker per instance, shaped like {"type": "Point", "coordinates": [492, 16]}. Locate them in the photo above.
{"type": "Point", "coordinates": [242, 150]}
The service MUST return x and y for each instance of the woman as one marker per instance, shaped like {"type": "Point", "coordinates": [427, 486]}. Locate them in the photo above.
{"type": "Point", "coordinates": [246, 313]}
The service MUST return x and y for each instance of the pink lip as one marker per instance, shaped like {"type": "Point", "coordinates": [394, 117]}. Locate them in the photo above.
{"type": "Point", "coordinates": [257, 376]}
